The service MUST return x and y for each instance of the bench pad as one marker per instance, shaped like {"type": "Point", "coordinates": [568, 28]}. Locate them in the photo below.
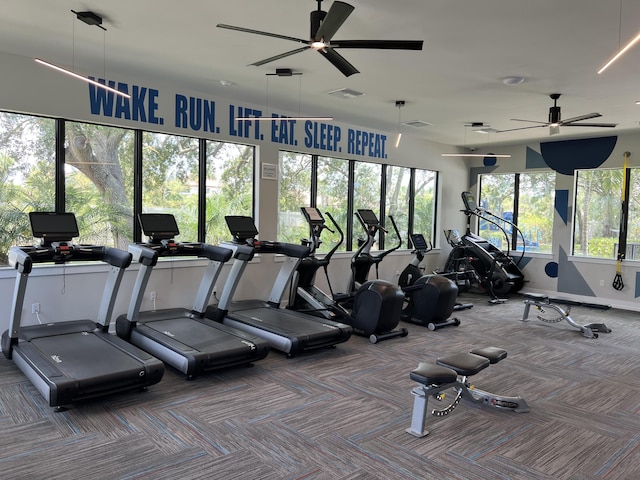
{"type": "Point", "coordinates": [464, 363]}
{"type": "Point", "coordinates": [429, 374]}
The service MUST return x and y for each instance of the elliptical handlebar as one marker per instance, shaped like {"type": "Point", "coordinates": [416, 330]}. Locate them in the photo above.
{"type": "Point", "coordinates": [333, 250]}
{"type": "Point", "coordinates": [393, 249]}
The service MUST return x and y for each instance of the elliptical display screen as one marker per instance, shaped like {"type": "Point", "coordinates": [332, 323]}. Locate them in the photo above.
{"type": "Point", "coordinates": [159, 226]}
{"type": "Point", "coordinates": [469, 201]}
{"type": "Point", "coordinates": [313, 214]}
{"type": "Point", "coordinates": [368, 217]}
{"type": "Point", "coordinates": [419, 243]}
{"type": "Point", "coordinates": [54, 227]}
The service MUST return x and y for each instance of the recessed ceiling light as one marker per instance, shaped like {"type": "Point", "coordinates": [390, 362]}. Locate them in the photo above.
{"type": "Point", "coordinates": [513, 80]}
{"type": "Point", "coordinates": [226, 83]}
{"type": "Point", "coordinates": [345, 93]}
{"type": "Point", "coordinates": [417, 123]}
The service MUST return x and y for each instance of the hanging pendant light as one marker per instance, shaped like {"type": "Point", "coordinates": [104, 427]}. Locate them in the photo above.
{"type": "Point", "coordinates": [89, 18]}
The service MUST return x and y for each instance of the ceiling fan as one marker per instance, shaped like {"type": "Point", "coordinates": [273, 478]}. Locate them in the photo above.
{"type": "Point", "coordinates": [555, 121]}
{"type": "Point", "coordinates": [324, 25]}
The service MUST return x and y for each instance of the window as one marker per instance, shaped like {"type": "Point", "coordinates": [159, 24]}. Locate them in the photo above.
{"type": "Point", "coordinates": [366, 195]}
{"type": "Point", "coordinates": [27, 173]}
{"type": "Point", "coordinates": [536, 196]}
{"type": "Point", "coordinates": [633, 223]}
{"type": "Point", "coordinates": [597, 212]}
{"type": "Point", "coordinates": [424, 203]}
{"type": "Point", "coordinates": [170, 180]}
{"type": "Point", "coordinates": [333, 195]}
{"type": "Point", "coordinates": [497, 194]}
{"type": "Point", "coordinates": [99, 182]}
{"type": "Point", "coordinates": [398, 197]}
{"type": "Point", "coordinates": [294, 192]}
{"type": "Point", "coordinates": [229, 187]}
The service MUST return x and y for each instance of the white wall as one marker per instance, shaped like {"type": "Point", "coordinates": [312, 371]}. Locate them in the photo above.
{"type": "Point", "coordinates": [74, 292]}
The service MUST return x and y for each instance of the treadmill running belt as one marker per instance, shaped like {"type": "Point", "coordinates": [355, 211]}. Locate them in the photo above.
{"type": "Point", "coordinates": [85, 356]}
{"type": "Point", "coordinates": [197, 335]}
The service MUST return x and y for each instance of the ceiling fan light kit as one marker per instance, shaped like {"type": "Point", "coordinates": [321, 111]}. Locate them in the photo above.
{"type": "Point", "coordinates": [324, 25]}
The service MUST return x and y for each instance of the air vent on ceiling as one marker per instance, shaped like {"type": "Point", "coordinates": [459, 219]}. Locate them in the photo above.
{"type": "Point", "coordinates": [345, 93]}
{"type": "Point", "coordinates": [417, 124]}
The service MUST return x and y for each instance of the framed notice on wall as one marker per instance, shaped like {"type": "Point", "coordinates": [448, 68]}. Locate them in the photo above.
{"type": "Point", "coordinates": [270, 171]}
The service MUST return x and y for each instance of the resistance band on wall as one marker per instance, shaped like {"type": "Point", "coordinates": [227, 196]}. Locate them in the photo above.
{"type": "Point", "coordinates": [618, 284]}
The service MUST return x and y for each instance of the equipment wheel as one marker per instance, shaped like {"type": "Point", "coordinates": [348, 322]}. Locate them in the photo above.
{"type": "Point", "coordinates": [431, 326]}
{"type": "Point", "coordinates": [404, 332]}
{"type": "Point", "coordinates": [373, 338]}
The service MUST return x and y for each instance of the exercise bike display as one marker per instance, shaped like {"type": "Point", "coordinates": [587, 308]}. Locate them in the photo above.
{"type": "Point", "coordinates": [495, 272]}
{"type": "Point", "coordinates": [372, 309]}
{"type": "Point", "coordinates": [430, 299]}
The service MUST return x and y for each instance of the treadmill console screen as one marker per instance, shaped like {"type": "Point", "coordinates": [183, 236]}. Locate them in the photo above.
{"type": "Point", "coordinates": [368, 217]}
{"type": "Point", "coordinates": [158, 226]}
{"type": "Point", "coordinates": [313, 214]}
{"type": "Point", "coordinates": [241, 227]}
{"type": "Point", "coordinates": [54, 227]}
{"type": "Point", "coordinates": [469, 201]}
{"type": "Point", "coordinates": [419, 243]}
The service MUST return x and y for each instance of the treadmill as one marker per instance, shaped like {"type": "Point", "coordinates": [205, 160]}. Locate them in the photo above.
{"type": "Point", "coordinates": [288, 331]}
{"type": "Point", "coordinates": [181, 337]}
{"type": "Point", "coordinates": [69, 361]}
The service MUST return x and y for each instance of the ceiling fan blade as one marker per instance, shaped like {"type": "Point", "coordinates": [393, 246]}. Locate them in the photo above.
{"type": "Point", "coordinates": [521, 128]}
{"type": "Point", "coordinates": [338, 61]}
{"type": "Point", "coordinates": [337, 14]}
{"type": "Point", "coordinates": [606, 125]}
{"type": "Point", "coordinates": [580, 117]}
{"type": "Point", "coordinates": [259, 32]}
{"type": "Point", "coordinates": [278, 57]}
{"type": "Point", "coordinates": [530, 121]}
{"type": "Point", "coordinates": [379, 44]}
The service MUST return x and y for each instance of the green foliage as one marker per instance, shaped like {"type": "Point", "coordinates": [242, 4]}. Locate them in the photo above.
{"type": "Point", "coordinates": [602, 247]}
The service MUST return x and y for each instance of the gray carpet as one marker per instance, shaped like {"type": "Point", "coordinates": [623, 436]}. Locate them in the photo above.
{"type": "Point", "coordinates": [341, 413]}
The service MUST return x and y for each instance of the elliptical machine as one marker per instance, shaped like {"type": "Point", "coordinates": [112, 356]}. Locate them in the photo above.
{"type": "Point", "coordinates": [373, 309]}
{"type": "Point", "coordinates": [495, 271]}
{"type": "Point", "coordinates": [430, 299]}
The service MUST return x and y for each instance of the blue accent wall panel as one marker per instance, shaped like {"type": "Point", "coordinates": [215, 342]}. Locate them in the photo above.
{"type": "Point", "coordinates": [562, 204]}
{"type": "Point", "coordinates": [568, 155]}
{"type": "Point", "coordinates": [533, 159]}
{"type": "Point", "coordinates": [569, 278]}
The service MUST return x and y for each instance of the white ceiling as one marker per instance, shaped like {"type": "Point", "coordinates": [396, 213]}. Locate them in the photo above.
{"type": "Point", "coordinates": [469, 47]}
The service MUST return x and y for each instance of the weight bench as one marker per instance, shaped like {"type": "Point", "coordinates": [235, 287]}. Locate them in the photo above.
{"type": "Point", "coordinates": [453, 372]}
{"type": "Point", "coordinates": [542, 301]}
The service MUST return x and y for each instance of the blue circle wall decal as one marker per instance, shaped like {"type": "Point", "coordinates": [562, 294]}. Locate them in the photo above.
{"type": "Point", "coordinates": [489, 161]}
{"type": "Point", "coordinates": [551, 269]}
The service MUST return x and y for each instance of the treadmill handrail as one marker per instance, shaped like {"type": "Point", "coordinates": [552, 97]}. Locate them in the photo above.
{"type": "Point", "coordinates": [20, 260]}
{"type": "Point", "coordinates": [171, 248]}
{"type": "Point", "coordinates": [57, 253]}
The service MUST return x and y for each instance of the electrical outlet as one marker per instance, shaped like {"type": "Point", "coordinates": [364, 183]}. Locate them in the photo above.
{"type": "Point", "coordinates": [602, 283]}
{"type": "Point", "coordinates": [152, 295]}
{"type": "Point", "coordinates": [35, 308]}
